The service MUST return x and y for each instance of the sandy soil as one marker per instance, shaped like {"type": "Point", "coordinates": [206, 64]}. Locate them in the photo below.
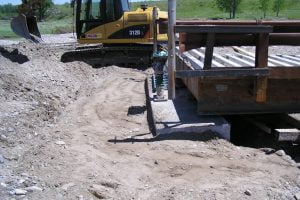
{"type": "Point", "coordinates": [69, 131]}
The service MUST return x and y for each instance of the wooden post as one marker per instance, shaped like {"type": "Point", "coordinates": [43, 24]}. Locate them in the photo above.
{"type": "Point", "coordinates": [171, 48]}
{"type": "Point", "coordinates": [261, 61]}
{"type": "Point", "coordinates": [182, 41]}
{"type": "Point", "coordinates": [209, 50]}
{"type": "Point", "coordinates": [154, 20]}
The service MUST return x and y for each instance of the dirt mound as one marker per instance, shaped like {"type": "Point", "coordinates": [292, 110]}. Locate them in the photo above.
{"type": "Point", "coordinates": [69, 131]}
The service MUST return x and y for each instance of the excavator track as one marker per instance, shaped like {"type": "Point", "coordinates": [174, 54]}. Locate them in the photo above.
{"type": "Point", "coordinates": [136, 55]}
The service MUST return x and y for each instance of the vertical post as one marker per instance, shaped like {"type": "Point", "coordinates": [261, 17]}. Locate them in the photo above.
{"type": "Point", "coordinates": [182, 41]}
{"type": "Point", "coordinates": [261, 60]}
{"type": "Point", "coordinates": [171, 48]}
{"type": "Point", "coordinates": [154, 21]}
{"type": "Point", "coordinates": [209, 50]}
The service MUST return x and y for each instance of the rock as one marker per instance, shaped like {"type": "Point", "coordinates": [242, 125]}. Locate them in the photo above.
{"type": "Point", "coordinates": [21, 181]}
{"type": "Point", "coordinates": [280, 153]}
{"type": "Point", "coordinates": [98, 191]}
{"type": "Point", "coordinates": [3, 138]}
{"type": "Point", "coordinates": [33, 189]}
{"type": "Point", "coordinates": [136, 130]}
{"type": "Point", "coordinates": [1, 159]}
{"type": "Point", "coordinates": [3, 184]}
{"type": "Point", "coordinates": [248, 192]}
{"type": "Point", "coordinates": [10, 129]}
{"type": "Point", "coordinates": [67, 186]}
{"type": "Point", "coordinates": [20, 192]}
{"type": "Point", "coordinates": [155, 162]}
{"type": "Point", "coordinates": [60, 143]}
{"type": "Point", "coordinates": [267, 150]}
{"type": "Point", "coordinates": [80, 197]}
{"type": "Point", "coordinates": [297, 196]}
{"type": "Point", "coordinates": [25, 174]}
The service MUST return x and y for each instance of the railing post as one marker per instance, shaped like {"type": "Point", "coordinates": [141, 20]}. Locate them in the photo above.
{"type": "Point", "coordinates": [171, 48]}
{"type": "Point", "coordinates": [154, 19]}
{"type": "Point", "coordinates": [261, 61]}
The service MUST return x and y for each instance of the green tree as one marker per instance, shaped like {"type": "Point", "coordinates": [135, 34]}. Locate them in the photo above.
{"type": "Point", "coordinates": [277, 6]}
{"type": "Point", "coordinates": [263, 6]}
{"type": "Point", "coordinates": [44, 6]}
{"type": "Point", "coordinates": [228, 6]}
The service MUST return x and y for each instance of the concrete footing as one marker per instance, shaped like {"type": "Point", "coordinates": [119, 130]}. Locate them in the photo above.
{"type": "Point", "coordinates": [180, 116]}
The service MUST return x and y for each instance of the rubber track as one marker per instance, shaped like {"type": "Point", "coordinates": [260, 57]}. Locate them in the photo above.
{"type": "Point", "coordinates": [111, 55]}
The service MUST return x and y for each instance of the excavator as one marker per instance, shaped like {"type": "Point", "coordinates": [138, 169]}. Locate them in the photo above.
{"type": "Point", "coordinates": [112, 33]}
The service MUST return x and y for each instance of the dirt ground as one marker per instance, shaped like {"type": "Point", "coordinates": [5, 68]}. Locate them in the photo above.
{"type": "Point", "coordinates": [68, 132]}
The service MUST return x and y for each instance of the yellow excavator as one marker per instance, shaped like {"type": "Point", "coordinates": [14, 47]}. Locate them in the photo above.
{"type": "Point", "coordinates": [116, 31]}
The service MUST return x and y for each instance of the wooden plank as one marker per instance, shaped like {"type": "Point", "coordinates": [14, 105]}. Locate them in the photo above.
{"type": "Point", "coordinates": [285, 73]}
{"type": "Point", "coordinates": [195, 63]}
{"type": "Point", "coordinates": [240, 61]}
{"type": "Point", "coordinates": [252, 59]}
{"type": "Point", "coordinates": [288, 135]}
{"type": "Point", "coordinates": [241, 39]}
{"type": "Point", "coordinates": [292, 58]}
{"type": "Point", "coordinates": [225, 61]}
{"type": "Point", "coordinates": [223, 29]}
{"type": "Point", "coordinates": [285, 60]}
{"type": "Point", "coordinates": [199, 55]}
{"type": "Point", "coordinates": [223, 73]}
{"type": "Point", "coordinates": [209, 50]}
{"type": "Point", "coordinates": [261, 61]}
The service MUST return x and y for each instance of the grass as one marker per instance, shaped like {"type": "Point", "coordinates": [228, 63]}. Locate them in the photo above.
{"type": "Point", "coordinates": [59, 18]}
{"type": "Point", "coordinates": [47, 27]}
{"type": "Point", "coordinates": [206, 9]}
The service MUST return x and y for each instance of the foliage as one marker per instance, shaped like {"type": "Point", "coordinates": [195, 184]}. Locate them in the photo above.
{"type": "Point", "coordinates": [277, 6]}
{"type": "Point", "coordinates": [8, 11]}
{"type": "Point", "coordinates": [45, 5]}
{"type": "Point", "coordinates": [59, 12]}
{"type": "Point", "coordinates": [263, 6]}
{"type": "Point", "coordinates": [228, 6]}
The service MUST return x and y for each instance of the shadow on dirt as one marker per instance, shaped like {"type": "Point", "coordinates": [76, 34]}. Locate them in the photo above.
{"type": "Point", "coordinates": [206, 136]}
{"type": "Point", "coordinates": [136, 110]}
{"type": "Point", "coordinates": [14, 56]}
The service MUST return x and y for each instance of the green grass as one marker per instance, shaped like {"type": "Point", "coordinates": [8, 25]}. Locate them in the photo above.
{"type": "Point", "coordinates": [5, 30]}
{"type": "Point", "coordinates": [206, 9]}
{"type": "Point", "coordinates": [47, 27]}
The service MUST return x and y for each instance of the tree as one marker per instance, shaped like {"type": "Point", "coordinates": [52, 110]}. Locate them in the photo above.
{"type": "Point", "coordinates": [45, 5]}
{"type": "Point", "coordinates": [263, 6]}
{"type": "Point", "coordinates": [35, 8]}
{"type": "Point", "coordinates": [277, 6]}
{"type": "Point", "coordinates": [228, 6]}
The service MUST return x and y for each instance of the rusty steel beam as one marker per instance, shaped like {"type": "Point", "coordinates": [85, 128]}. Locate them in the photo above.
{"type": "Point", "coordinates": [240, 22]}
{"type": "Point", "coordinates": [193, 40]}
{"type": "Point", "coordinates": [223, 29]}
{"type": "Point", "coordinates": [282, 26]}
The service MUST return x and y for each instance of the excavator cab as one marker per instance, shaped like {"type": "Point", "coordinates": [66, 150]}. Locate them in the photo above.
{"type": "Point", "coordinates": [95, 14]}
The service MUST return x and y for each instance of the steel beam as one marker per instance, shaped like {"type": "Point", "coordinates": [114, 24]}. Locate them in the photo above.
{"type": "Point", "coordinates": [223, 73]}
{"type": "Point", "coordinates": [223, 29]}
